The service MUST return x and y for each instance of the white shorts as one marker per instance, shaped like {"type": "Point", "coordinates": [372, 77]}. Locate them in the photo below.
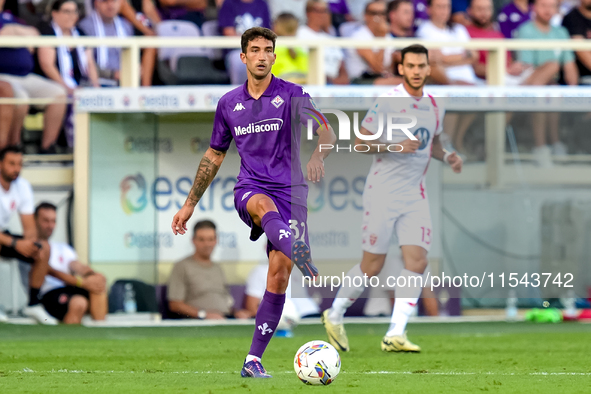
{"type": "Point", "coordinates": [410, 219]}
{"type": "Point", "coordinates": [33, 86]}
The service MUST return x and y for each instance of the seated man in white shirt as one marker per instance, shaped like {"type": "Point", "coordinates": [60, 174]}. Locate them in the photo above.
{"type": "Point", "coordinates": [317, 27]}
{"type": "Point", "coordinates": [372, 66]}
{"type": "Point", "coordinates": [458, 62]}
{"type": "Point", "coordinates": [16, 196]}
{"type": "Point", "coordinates": [71, 289]}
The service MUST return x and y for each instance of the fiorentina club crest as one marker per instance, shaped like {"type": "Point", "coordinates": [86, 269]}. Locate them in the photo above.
{"type": "Point", "coordinates": [372, 239]}
{"type": "Point", "coordinates": [277, 101]}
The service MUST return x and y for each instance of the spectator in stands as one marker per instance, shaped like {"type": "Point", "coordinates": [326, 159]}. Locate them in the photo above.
{"type": "Point", "coordinates": [17, 196]}
{"type": "Point", "coordinates": [421, 14]}
{"type": "Point", "coordinates": [235, 17]}
{"type": "Point", "coordinates": [16, 68]}
{"type": "Point", "coordinates": [184, 10]}
{"type": "Point", "coordinates": [401, 17]}
{"type": "Point", "coordinates": [144, 17]}
{"type": "Point", "coordinates": [512, 16]}
{"type": "Point", "coordinates": [197, 286]}
{"type": "Point", "coordinates": [318, 27]}
{"type": "Point", "coordinates": [372, 66]}
{"type": "Point", "coordinates": [546, 66]}
{"type": "Point", "coordinates": [291, 63]}
{"type": "Point", "coordinates": [104, 21]}
{"type": "Point", "coordinates": [71, 289]}
{"type": "Point", "coordinates": [456, 60]}
{"type": "Point", "coordinates": [483, 26]}
{"type": "Point", "coordinates": [340, 13]}
{"type": "Point", "coordinates": [67, 66]}
{"type": "Point", "coordinates": [564, 7]}
{"type": "Point", "coordinates": [142, 14]}
{"type": "Point", "coordinates": [459, 12]}
{"type": "Point", "coordinates": [578, 24]}
{"type": "Point", "coordinates": [6, 112]}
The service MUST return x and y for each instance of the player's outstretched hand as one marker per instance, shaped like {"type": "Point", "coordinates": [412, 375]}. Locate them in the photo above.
{"type": "Point", "coordinates": [455, 162]}
{"type": "Point", "coordinates": [315, 168]}
{"type": "Point", "coordinates": [179, 221]}
{"type": "Point", "coordinates": [410, 146]}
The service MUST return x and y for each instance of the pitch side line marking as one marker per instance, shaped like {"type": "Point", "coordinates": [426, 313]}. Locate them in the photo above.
{"type": "Point", "coordinates": [450, 373]}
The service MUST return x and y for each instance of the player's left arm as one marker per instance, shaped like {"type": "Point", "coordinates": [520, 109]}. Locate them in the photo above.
{"type": "Point", "coordinates": [326, 139]}
{"type": "Point", "coordinates": [441, 154]}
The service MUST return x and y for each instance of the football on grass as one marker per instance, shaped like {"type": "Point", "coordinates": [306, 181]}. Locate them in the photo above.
{"type": "Point", "coordinates": [317, 363]}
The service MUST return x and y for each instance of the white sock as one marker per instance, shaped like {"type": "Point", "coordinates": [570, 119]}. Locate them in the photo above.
{"type": "Point", "coordinates": [347, 295]}
{"type": "Point", "coordinates": [250, 357]}
{"type": "Point", "coordinates": [405, 304]}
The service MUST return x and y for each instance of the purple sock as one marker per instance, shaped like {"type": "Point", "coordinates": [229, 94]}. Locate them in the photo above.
{"type": "Point", "coordinates": [278, 233]}
{"type": "Point", "coordinates": [266, 322]}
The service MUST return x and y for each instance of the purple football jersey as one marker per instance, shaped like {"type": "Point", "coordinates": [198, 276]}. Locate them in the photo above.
{"type": "Point", "coordinates": [510, 18]}
{"type": "Point", "coordinates": [265, 139]}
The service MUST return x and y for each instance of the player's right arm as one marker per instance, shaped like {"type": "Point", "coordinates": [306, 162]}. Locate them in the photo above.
{"type": "Point", "coordinates": [207, 170]}
{"type": "Point", "coordinates": [221, 137]}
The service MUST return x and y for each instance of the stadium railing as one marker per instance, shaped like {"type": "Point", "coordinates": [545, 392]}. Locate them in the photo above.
{"type": "Point", "coordinates": [130, 68]}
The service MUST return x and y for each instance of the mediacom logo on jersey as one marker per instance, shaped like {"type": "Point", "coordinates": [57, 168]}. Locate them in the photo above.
{"type": "Point", "coordinates": [262, 126]}
{"type": "Point", "coordinates": [392, 122]}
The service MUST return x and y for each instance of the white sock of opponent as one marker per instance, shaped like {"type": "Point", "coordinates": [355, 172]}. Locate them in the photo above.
{"type": "Point", "coordinates": [404, 305]}
{"type": "Point", "coordinates": [347, 295]}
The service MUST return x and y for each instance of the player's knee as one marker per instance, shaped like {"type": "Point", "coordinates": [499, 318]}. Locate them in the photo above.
{"type": "Point", "coordinates": [372, 271]}
{"type": "Point", "coordinates": [417, 265]}
{"type": "Point", "coordinates": [372, 266]}
{"type": "Point", "coordinates": [78, 305]}
{"type": "Point", "coordinates": [265, 205]}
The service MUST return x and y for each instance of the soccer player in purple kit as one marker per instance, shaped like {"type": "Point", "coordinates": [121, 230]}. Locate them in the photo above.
{"type": "Point", "coordinates": [271, 192]}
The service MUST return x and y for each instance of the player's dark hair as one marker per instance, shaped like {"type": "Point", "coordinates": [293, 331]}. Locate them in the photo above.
{"type": "Point", "coordinates": [415, 48]}
{"type": "Point", "coordinates": [256, 32]}
{"type": "Point", "coordinates": [44, 205]}
{"type": "Point", "coordinates": [203, 224]}
{"type": "Point", "coordinates": [10, 149]}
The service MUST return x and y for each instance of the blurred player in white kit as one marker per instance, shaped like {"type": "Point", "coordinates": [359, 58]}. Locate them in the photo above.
{"type": "Point", "coordinates": [395, 199]}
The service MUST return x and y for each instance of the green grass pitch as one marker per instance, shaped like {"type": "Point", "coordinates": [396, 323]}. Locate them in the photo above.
{"type": "Point", "coordinates": [457, 357]}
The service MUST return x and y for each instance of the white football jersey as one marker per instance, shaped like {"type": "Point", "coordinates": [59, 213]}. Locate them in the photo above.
{"type": "Point", "coordinates": [18, 198]}
{"type": "Point", "coordinates": [60, 258]}
{"type": "Point", "coordinates": [398, 174]}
